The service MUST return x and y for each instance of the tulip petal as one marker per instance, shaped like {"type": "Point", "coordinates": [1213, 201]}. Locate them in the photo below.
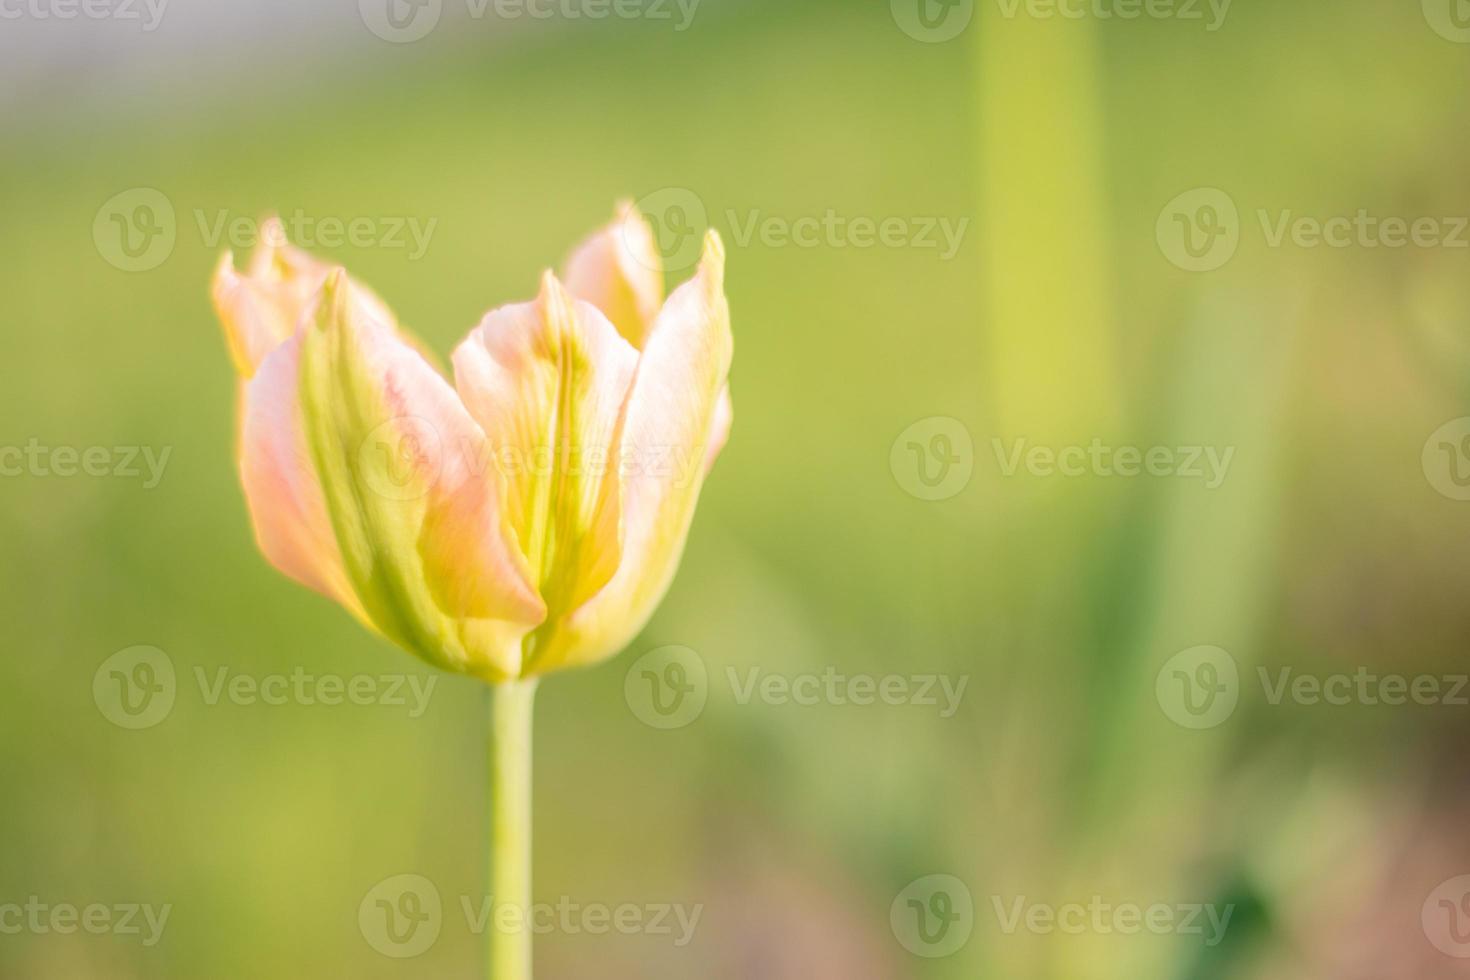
{"type": "Point", "coordinates": [719, 432]}
{"type": "Point", "coordinates": [261, 309]}
{"type": "Point", "coordinates": [548, 380]}
{"type": "Point", "coordinates": [619, 270]}
{"type": "Point", "coordinates": [257, 317]}
{"type": "Point", "coordinates": [673, 425]}
{"type": "Point", "coordinates": [402, 469]}
{"type": "Point", "coordinates": [281, 490]}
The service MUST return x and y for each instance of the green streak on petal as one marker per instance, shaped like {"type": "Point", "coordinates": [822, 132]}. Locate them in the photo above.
{"type": "Point", "coordinates": [376, 511]}
{"type": "Point", "coordinates": [569, 528]}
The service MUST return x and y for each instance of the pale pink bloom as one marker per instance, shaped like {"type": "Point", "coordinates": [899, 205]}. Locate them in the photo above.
{"type": "Point", "coordinates": [525, 518]}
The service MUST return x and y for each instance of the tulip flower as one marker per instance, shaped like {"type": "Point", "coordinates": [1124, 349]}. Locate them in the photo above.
{"type": "Point", "coordinates": [524, 518]}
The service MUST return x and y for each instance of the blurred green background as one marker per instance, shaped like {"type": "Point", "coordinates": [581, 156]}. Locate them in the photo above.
{"type": "Point", "coordinates": [1334, 543]}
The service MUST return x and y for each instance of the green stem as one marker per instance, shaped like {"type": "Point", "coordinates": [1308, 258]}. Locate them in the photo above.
{"type": "Point", "coordinates": [509, 944]}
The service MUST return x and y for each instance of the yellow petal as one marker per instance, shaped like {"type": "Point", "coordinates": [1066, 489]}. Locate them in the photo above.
{"type": "Point", "coordinates": [548, 380]}
{"type": "Point", "coordinates": [619, 270]}
{"type": "Point", "coordinates": [673, 426]}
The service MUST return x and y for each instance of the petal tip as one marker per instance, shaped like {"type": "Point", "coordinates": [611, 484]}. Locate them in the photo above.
{"type": "Point", "coordinates": [553, 301]}
{"type": "Point", "coordinates": [224, 272]}
{"type": "Point", "coordinates": [333, 300]}
{"type": "Point", "coordinates": [712, 263]}
{"type": "Point", "coordinates": [273, 231]}
{"type": "Point", "coordinates": [270, 241]}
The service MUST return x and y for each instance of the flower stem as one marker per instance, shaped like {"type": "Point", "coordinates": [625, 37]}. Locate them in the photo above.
{"type": "Point", "coordinates": [509, 944]}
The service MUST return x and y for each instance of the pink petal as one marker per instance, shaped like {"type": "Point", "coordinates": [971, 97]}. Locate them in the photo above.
{"type": "Point", "coordinates": [281, 488]}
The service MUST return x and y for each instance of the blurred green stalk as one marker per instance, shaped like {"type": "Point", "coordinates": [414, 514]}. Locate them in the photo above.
{"type": "Point", "coordinates": [509, 950]}
{"type": "Point", "coordinates": [1047, 310]}
{"type": "Point", "coordinates": [1045, 259]}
